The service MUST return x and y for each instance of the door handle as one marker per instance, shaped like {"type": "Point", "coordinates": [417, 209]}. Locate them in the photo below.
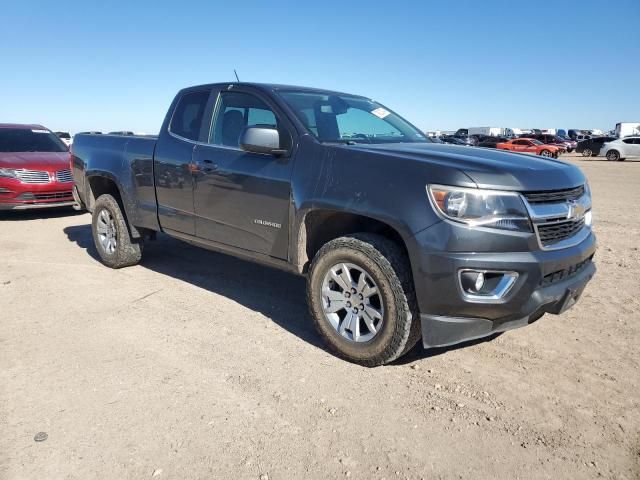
{"type": "Point", "coordinates": [210, 166]}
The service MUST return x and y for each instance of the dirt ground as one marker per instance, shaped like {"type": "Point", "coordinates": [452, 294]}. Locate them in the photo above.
{"type": "Point", "coordinates": [195, 365]}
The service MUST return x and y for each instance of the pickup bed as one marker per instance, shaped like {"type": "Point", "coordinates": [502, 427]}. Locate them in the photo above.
{"type": "Point", "coordinates": [401, 239]}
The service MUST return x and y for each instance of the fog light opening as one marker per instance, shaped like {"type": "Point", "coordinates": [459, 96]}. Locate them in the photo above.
{"type": "Point", "coordinates": [484, 285]}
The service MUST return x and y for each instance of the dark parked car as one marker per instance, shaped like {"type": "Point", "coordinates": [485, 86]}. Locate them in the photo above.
{"type": "Point", "coordinates": [456, 140]}
{"type": "Point", "coordinates": [591, 147]}
{"type": "Point", "coordinates": [489, 141]}
{"type": "Point", "coordinates": [399, 238]}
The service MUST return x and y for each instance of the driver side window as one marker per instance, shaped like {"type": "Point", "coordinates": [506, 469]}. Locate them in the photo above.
{"type": "Point", "coordinates": [234, 112]}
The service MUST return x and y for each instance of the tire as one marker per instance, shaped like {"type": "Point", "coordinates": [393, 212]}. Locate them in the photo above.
{"type": "Point", "coordinates": [587, 152]}
{"type": "Point", "coordinates": [386, 267]}
{"type": "Point", "coordinates": [111, 234]}
{"type": "Point", "coordinates": [613, 155]}
{"type": "Point", "coordinates": [546, 153]}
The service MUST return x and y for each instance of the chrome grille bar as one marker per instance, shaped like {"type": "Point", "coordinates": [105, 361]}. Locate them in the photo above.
{"type": "Point", "coordinates": [64, 176]}
{"type": "Point", "coordinates": [32, 176]}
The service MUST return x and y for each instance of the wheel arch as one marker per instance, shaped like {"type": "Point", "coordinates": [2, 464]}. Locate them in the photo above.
{"type": "Point", "coordinates": [101, 183]}
{"type": "Point", "coordinates": [319, 226]}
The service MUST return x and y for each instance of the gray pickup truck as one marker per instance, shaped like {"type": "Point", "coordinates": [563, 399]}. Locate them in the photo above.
{"type": "Point", "coordinates": [401, 239]}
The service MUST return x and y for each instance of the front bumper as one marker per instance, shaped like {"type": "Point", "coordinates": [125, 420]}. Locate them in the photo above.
{"type": "Point", "coordinates": [548, 282]}
{"type": "Point", "coordinates": [440, 331]}
{"type": "Point", "coordinates": [15, 195]}
{"type": "Point", "coordinates": [36, 205]}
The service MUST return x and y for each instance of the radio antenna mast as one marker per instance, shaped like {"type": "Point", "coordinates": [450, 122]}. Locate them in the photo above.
{"type": "Point", "coordinates": [236, 74]}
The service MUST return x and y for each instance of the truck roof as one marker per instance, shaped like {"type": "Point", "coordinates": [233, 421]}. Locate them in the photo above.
{"type": "Point", "coordinates": [273, 87]}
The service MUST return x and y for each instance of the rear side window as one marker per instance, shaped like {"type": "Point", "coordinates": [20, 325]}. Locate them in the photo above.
{"type": "Point", "coordinates": [187, 117]}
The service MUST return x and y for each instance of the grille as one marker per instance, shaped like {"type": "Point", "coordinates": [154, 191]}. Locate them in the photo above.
{"type": "Point", "coordinates": [32, 176]}
{"type": "Point", "coordinates": [560, 275]}
{"type": "Point", "coordinates": [64, 176]}
{"type": "Point", "coordinates": [555, 196]}
{"type": "Point", "coordinates": [553, 233]}
{"type": "Point", "coordinates": [52, 196]}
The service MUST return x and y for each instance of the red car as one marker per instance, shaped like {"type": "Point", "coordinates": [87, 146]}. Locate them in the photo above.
{"type": "Point", "coordinates": [529, 145]}
{"type": "Point", "coordinates": [34, 168]}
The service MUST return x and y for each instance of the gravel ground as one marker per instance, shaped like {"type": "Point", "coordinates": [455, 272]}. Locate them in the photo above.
{"type": "Point", "coordinates": [195, 365]}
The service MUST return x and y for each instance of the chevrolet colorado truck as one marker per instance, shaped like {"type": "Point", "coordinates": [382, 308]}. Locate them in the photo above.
{"type": "Point", "coordinates": [400, 239]}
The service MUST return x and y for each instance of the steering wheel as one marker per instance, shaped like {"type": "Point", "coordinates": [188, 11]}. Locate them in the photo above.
{"type": "Point", "coordinates": [361, 135]}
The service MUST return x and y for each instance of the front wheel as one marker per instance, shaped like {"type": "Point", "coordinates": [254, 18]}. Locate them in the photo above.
{"type": "Point", "coordinates": [362, 300]}
{"type": "Point", "coordinates": [111, 235]}
{"type": "Point", "coordinates": [613, 155]}
{"type": "Point", "coordinates": [546, 153]}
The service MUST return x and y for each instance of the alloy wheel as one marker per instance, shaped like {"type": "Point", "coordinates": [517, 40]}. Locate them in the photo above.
{"type": "Point", "coordinates": [107, 232]}
{"type": "Point", "coordinates": [352, 302]}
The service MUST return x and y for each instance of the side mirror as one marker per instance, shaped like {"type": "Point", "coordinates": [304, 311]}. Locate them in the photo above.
{"type": "Point", "coordinates": [265, 140]}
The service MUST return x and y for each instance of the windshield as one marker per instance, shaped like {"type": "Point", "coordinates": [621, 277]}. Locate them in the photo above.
{"type": "Point", "coordinates": [29, 140]}
{"type": "Point", "coordinates": [347, 119]}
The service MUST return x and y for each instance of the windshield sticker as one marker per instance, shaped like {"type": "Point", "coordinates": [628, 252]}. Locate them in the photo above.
{"type": "Point", "coordinates": [380, 112]}
{"type": "Point", "coordinates": [39, 131]}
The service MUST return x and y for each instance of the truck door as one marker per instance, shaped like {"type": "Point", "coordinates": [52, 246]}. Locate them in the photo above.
{"type": "Point", "coordinates": [173, 161]}
{"type": "Point", "coordinates": [242, 199]}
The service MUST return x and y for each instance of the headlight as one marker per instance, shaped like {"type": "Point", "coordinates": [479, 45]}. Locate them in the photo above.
{"type": "Point", "coordinates": [7, 173]}
{"type": "Point", "coordinates": [481, 208]}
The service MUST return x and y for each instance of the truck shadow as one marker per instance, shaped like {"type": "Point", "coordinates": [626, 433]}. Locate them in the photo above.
{"type": "Point", "coordinates": [278, 295]}
{"type": "Point", "coordinates": [419, 353]}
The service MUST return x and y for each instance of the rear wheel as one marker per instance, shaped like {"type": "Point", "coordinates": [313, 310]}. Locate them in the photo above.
{"type": "Point", "coordinates": [587, 152]}
{"type": "Point", "coordinates": [613, 155]}
{"type": "Point", "coordinates": [111, 235]}
{"type": "Point", "coordinates": [362, 299]}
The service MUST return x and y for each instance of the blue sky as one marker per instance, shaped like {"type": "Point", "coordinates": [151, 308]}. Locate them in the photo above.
{"type": "Point", "coordinates": [443, 65]}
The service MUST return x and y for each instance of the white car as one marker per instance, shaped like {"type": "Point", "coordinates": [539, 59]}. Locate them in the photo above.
{"type": "Point", "coordinates": [65, 137]}
{"type": "Point", "coordinates": [622, 148]}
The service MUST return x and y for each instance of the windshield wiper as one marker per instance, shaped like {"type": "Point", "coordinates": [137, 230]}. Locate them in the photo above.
{"type": "Point", "coordinates": [341, 141]}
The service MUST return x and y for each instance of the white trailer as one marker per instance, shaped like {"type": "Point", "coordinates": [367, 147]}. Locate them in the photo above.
{"type": "Point", "coordinates": [493, 131]}
{"type": "Point", "coordinates": [624, 129]}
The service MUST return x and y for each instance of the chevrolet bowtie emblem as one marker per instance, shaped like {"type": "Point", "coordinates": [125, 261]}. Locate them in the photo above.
{"type": "Point", "coordinates": [576, 210]}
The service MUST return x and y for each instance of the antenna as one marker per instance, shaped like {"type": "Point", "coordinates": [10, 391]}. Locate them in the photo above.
{"type": "Point", "coordinates": [236, 74]}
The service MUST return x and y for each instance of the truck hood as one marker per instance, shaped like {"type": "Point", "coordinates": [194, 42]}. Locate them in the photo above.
{"type": "Point", "coordinates": [49, 161]}
{"type": "Point", "coordinates": [487, 167]}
